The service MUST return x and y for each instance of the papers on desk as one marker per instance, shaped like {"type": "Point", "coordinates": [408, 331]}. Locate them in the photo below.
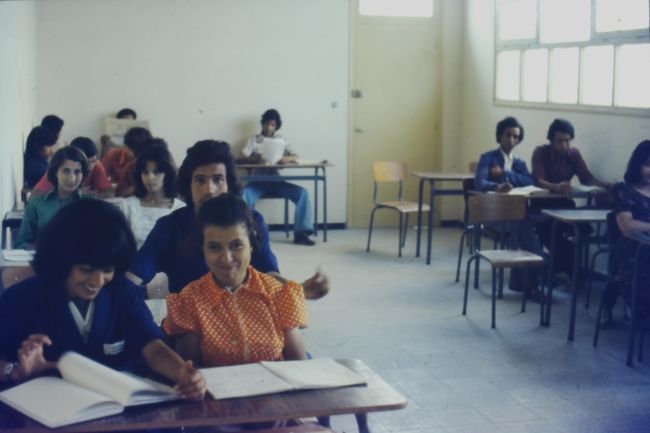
{"type": "Point", "coordinates": [528, 190]}
{"type": "Point", "coordinates": [158, 308]}
{"type": "Point", "coordinates": [272, 149]}
{"type": "Point", "coordinates": [18, 255]}
{"type": "Point", "coordinates": [272, 377]}
{"type": "Point", "coordinates": [301, 161]}
{"type": "Point", "coordinates": [586, 189]}
{"type": "Point", "coordinates": [87, 391]}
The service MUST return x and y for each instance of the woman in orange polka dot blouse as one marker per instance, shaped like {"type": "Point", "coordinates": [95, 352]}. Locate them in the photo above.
{"type": "Point", "coordinates": [235, 314]}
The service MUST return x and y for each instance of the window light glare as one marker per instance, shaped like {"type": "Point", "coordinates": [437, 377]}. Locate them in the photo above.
{"type": "Point", "coordinates": [620, 15]}
{"type": "Point", "coordinates": [597, 75]}
{"type": "Point", "coordinates": [508, 76]}
{"type": "Point", "coordinates": [565, 20]}
{"type": "Point", "coordinates": [633, 70]}
{"type": "Point", "coordinates": [565, 67]}
{"type": "Point", "coordinates": [517, 19]}
{"type": "Point", "coordinates": [535, 75]}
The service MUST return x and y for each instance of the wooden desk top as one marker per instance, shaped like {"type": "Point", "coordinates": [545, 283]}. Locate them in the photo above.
{"type": "Point", "coordinates": [578, 215]}
{"type": "Point", "coordinates": [376, 396]}
{"type": "Point", "coordinates": [442, 175]}
{"type": "Point", "coordinates": [306, 164]}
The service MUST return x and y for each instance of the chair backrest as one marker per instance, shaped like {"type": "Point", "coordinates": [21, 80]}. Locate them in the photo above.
{"type": "Point", "coordinates": [472, 166]}
{"type": "Point", "coordinates": [11, 276]}
{"type": "Point", "coordinates": [484, 208]}
{"type": "Point", "coordinates": [389, 171]}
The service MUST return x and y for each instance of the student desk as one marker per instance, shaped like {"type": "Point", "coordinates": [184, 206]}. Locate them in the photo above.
{"type": "Point", "coordinates": [432, 177]}
{"type": "Point", "coordinates": [575, 217]}
{"type": "Point", "coordinates": [376, 396]}
{"type": "Point", "coordinates": [644, 244]}
{"type": "Point", "coordinates": [11, 221]}
{"type": "Point", "coordinates": [319, 175]}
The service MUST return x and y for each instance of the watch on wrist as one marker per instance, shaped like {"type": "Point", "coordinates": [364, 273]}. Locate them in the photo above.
{"type": "Point", "coordinates": [7, 370]}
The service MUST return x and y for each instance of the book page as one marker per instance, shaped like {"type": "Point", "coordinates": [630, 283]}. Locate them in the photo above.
{"type": "Point", "coordinates": [123, 388]}
{"type": "Point", "coordinates": [117, 128]}
{"type": "Point", "coordinates": [315, 373]}
{"type": "Point", "coordinates": [242, 381]}
{"type": "Point", "coordinates": [527, 190]}
{"type": "Point", "coordinates": [272, 149]}
{"type": "Point", "coordinates": [586, 188]}
{"type": "Point", "coordinates": [158, 308]}
{"type": "Point", "coordinates": [55, 402]}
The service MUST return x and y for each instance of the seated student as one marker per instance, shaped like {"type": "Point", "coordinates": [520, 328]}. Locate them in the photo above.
{"type": "Point", "coordinates": [116, 159]}
{"type": "Point", "coordinates": [66, 172]}
{"type": "Point", "coordinates": [125, 186]}
{"type": "Point", "coordinates": [632, 208]}
{"type": "Point", "coordinates": [105, 140]}
{"type": "Point", "coordinates": [54, 123]}
{"type": "Point", "coordinates": [38, 150]}
{"type": "Point", "coordinates": [554, 165]}
{"type": "Point", "coordinates": [95, 183]}
{"type": "Point", "coordinates": [303, 219]}
{"type": "Point", "coordinates": [154, 179]}
{"type": "Point", "coordinates": [80, 301]}
{"type": "Point", "coordinates": [173, 246]}
{"type": "Point", "coordinates": [499, 170]}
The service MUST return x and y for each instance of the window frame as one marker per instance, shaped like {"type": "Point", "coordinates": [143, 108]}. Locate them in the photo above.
{"type": "Point", "coordinates": [614, 38]}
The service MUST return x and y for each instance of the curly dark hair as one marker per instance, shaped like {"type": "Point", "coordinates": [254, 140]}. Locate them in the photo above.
{"type": "Point", "coordinates": [509, 122]}
{"type": "Point", "coordinates": [272, 114]}
{"type": "Point", "coordinates": [70, 153]}
{"type": "Point", "coordinates": [639, 157]}
{"type": "Point", "coordinates": [227, 210]}
{"type": "Point", "coordinates": [164, 162]}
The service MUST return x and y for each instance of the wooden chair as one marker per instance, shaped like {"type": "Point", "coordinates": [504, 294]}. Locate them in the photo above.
{"type": "Point", "coordinates": [499, 208]}
{"type": "Point", "coordinates": [472, 166]}
{"type": "Point", "coordinates": [393, 171]}
{"type": "Point", "coordinates": [13, 275]}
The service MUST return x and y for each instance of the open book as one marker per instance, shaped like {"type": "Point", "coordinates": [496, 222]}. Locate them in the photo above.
{"type": "Point", "coordinates": [528, 190]}
{"type": "Point", "coordinates": [586, 188]}
{"type": "Point", "coordinates": [87, 391]}
{"type": "Point", "coordinates": [278, 376]}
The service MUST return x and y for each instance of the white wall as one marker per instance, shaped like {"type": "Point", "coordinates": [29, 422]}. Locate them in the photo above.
{"type": "Point", "coordinates": [606, 141]}
{"type": "Point", "coordinates": [200, 69]}
{"type": "Point", "coordinates": [17, 98]}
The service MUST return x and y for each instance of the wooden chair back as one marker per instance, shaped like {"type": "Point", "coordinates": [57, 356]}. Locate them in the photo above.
{"type": "Point", "coordinates": [472, 166]}
{"type": "Point", "coordinates": [13, 275]}
{"type": "Point", "coordinates": [484, 208]}
{"type": "Point", "coordinates": [389, 171]}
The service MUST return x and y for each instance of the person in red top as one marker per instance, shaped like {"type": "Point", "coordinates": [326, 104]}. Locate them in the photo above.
{"type": "Point", "coordinates": [554, 165]}
{"type": "Point", "coordinates": [116, 159]}
{"type": "Point", "coordinates": [96, 182]}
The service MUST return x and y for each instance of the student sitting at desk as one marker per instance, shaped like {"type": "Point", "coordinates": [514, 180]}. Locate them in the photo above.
{"type": "Point", "coordinates": [80, 301]}
{"type": "Point", "coordinates": [303, 219]}
{"type": "Point", "coordinates": [105, 140]}
{"type": "Point", "coordinates": [554, 165]}
{"type": "Point", "coordinates": [632, 208]}
{"type": "Point", "coordinates": [38, 150]}
{"type": "Point", "coordinates": [55, 124]}
{"type": "Point", "coordinates": [116, 159]}
{"type": "Point", "coordinates": [66, 171]}
{"type": "Point", "coordinates": [96, 182]}
{"type": "Point", "coordinates": [154, 180]}
{"type": "Point", "coordinates": [173, 246]}
{"type": "Point", "coordinates": [499, 170]}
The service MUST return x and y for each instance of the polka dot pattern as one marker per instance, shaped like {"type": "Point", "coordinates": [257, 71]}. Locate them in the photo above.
{"type": "Point", "coordinates": [241, 327]}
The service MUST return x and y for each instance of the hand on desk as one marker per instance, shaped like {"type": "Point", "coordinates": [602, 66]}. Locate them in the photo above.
{"type": "Point", "coordinates": [191, 383]}
{"type": "Point", "coordinates": [503, 187]}
{"type": "Point", "coordinates": [563, 187]}
{"type": "Point", "coordinates": [30, 357]}
{"type": "Point", "coordinates": [316, 286]}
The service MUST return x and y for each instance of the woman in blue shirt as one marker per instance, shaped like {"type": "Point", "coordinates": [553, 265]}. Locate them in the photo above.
{"type": "Point", "coordinates": [80, 301]}
{"type": "Point", "coordinates": [38, 150]}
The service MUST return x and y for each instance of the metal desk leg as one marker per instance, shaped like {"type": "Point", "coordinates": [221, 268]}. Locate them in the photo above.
{"type": "Point", "coordinates": [417, 244]}
{"type": "Point", "coordinates": [316, 201]}
{"type": "Point", "coordinates": [577, 258]}
{"type": "Point", "coordinates": [324, 206]}
{"type": "Point", "coordinates": [551, 269]}
{"type": "Point", "coordinates": [432, 192]}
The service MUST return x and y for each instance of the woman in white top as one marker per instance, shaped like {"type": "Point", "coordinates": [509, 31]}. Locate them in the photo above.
{"type": "Point", "coordinates": [154, 179]}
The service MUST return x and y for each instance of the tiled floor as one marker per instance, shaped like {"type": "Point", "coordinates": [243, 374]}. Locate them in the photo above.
{"type": "Point", "coordinates": [403, 318]}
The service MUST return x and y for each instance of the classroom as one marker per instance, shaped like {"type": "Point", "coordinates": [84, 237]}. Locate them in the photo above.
{"type": "Point", "coordinates": [354, 88]}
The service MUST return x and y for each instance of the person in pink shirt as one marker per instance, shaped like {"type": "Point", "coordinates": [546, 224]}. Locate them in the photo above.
{"type": "Point", "coordinates": [96, 183]}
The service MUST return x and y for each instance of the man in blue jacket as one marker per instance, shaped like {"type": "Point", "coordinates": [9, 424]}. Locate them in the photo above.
{"type": "Point", "coordinates": [499, 170]}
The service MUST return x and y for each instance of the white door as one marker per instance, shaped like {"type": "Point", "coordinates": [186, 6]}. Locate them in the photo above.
{"type": "Point", "coordinates": [393, 116]}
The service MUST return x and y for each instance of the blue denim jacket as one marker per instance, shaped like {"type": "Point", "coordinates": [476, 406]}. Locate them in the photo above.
{"type": "Point", "coordinates": [517, 177]}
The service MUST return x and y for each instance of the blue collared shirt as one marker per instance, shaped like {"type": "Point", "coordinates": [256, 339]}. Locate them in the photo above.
{"type": "Point", "coordinates": [519, 175]}
{"type": "Point", "coordinates": [122, 324]}
{"type": "Point", "coordinates": [173, 247]}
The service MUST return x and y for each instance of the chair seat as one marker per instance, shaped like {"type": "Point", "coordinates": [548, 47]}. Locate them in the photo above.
{"type": "Point", "coordinates": [403, 206]}
{"type": "Point", "coordinates": [511, 258]}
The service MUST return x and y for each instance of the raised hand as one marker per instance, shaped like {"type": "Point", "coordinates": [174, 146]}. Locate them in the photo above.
{"type": "Point", "coordinates": [316, 286]}
{"type": "Point", "coordinates": [30, 356]}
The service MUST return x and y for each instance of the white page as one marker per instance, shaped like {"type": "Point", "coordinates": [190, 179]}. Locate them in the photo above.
{"type": "Point", "coordinates": [586, 188]}
{"type": "Point", "coordinates": [272, 149]}
{"type": "Point", "coordinates": [315, 373]}
{"type": "Point", "coordinates": [18, 255]}
{"type": "Point", "coordinates": [242, 381]}
{"type": "Point", "coordinates": [527, 190]}
{"type": "Point", "coordinates": [158, 308]}
{"type": "Point", "coordinates": [55, 402]}
{"type": "Point", "coordinates": [118, 386]}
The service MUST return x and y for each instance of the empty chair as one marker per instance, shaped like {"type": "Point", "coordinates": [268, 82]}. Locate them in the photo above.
{"type": "Point", "coordinates": [392, 172]}
{"type": "Point", "coordinates": [502, 209]}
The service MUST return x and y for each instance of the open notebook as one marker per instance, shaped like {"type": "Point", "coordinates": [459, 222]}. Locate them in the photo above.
{"type": "Point", "coordinates": [88, 390]}
{"type": "Point", "coordinates": [278, 376]}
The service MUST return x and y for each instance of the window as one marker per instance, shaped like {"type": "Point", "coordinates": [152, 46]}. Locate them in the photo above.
{"type": "Point", "coordinates": [397, 8]}
{"type": "Point", "coordinates": [575, 53]}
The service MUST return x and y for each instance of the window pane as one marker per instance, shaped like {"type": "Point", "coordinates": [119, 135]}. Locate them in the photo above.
{"type": "Point", "coordinates": [508, 75]}
{"type": "Point", "coordinates": [564, 75]}
{"type": "Point", "coordinates": [597, 75]}
{"type": "Point", "coordinates": [396, 8]}
{"type": "Point", "coordinates": [633, 70]}
{"type": "Point", "coordinates": [517, 19]}
{"type": "Point", "coordinates": [565, 20]}
{"type": "Point", "coordinates": [535, 75]}
{"type": "Point", "coordinates": [613, 15]}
